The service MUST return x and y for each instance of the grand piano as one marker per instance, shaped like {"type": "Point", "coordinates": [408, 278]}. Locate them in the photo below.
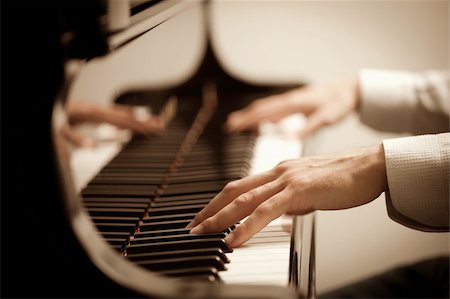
{"type": "Point", "coordinates": [122, 233]}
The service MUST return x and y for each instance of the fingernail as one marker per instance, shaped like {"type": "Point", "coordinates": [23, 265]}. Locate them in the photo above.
{"type": "Point", "coordinates": [190, 225]}
{"type": "Point", "coordinates": [197, 230]}
{"type": "Point", "coordinates": [229, 239]}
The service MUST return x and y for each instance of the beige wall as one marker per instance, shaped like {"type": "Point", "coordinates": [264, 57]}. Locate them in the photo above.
{"type": "Point", "coordinates": [321, 40]}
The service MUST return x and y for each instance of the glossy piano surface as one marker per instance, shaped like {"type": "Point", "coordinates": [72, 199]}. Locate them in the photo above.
{"type": "Point", "coordinates": [125, 225]}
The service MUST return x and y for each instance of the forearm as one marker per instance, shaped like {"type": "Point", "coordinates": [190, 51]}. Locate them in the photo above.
{"type": "Point", "coordinates": [355, 178]}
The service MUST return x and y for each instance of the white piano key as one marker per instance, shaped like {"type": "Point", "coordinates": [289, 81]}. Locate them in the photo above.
{"type": "Point", "coordinates": [264, 259]}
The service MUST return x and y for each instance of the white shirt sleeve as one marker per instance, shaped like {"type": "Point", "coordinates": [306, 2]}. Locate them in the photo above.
{"type": "Point", "coordinates": [417, 167]}
{"type": "Point", "coordinates": [400, 101]}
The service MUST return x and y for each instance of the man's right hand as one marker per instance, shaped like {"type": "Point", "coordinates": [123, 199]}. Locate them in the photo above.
{"type": "Point", "coordinates": [321, 104]}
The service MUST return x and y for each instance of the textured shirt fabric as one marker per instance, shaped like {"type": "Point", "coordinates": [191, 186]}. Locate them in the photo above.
{"type": "Point", "coordinates": [417, 167]}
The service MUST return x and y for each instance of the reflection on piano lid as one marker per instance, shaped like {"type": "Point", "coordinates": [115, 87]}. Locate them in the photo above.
{"type": "Point", "coordinates": [142, 199]}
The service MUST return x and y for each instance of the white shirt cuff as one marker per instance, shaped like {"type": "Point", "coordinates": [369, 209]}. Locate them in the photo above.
{"type": "Point", "coordinates": [417, 171]}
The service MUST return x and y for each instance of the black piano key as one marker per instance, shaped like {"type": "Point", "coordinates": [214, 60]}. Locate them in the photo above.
{"type": "Point", "coordinates": [115, 227]}
{"type": "Point", "coordinates": [180, 203]}
{"type": "Point", "coordinates": [213, 158]}
{"type": "Point", "coordinates": [144, 179]}
{"type": "Point", "coordinates": [186, 188]}
{"type": "Point", "coordinates": [199, 185]}
{"type": "Point", "coordinates": [117, 247]}
{"type": "Point", "coordinates": [183, 262]}
{"type": "Point", "coordinates": [136, 166]}
{"type": "Point", "coordinates": [179, 245]}
{"type": "Point", "coordinates": [107, 219]}
{"type": "Point", "coordinates": [113, 200]}
{"type": "Point", "coordinates": [165, 232]}
{"type": "Point", "coordinates": [192, 161]}
{"type": "Point", "coordinates": [121, 212]}
{"type": "Point", "coordinates": [150, 158]}
{"type": "Point", "coordinates": [118, 242]}
{"type": "Point", "coordinates": [206, 176]}
{"type": "Point", "coordinates": [118, 205]}
{"type": "Point", "coordinates": [214, 170]}
{"type": "Point", "coordinates": [175, 210]}
{"type": "Point", "coordinates": [152, 155]}
{"type": "Point", "coordinates": [126, 180]}
{"type": "Point", "coordinates": [179, 253]}
{"type": "Point", "coordinates": [162, 218]}
{"type": "Point", "coordinates": [164, 225]}
{"type": "Point", "coordinates": [150, 175]}
{"type": "Point", "coordinates": [168, 198]}
{"type": "Point", "coordinates": [159, 239]}
{"type": "Point", "coordinates": [169, 232]}
{"type": "Point", "coordinates": [116, 235]}
{"type": "Point", "coordinates": [193, 272]}
{"type": "Point", "coordinates": [205, 165]}
{"type": "Point", "coordinates": [120, 190]}
{"type": "Point", "coordinates": [169, 147]}
{"type": "Point", "coordinates": [152, 151]}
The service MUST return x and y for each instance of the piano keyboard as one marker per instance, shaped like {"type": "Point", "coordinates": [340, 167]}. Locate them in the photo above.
{"type": "Point", "coordinates": [264, 259]}
{"type": "Point", "coordinates": [144, 197]}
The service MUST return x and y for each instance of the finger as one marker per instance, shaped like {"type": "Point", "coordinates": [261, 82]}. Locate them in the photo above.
{"type": "Point", "coordinates": [79, 111]}
{"type": "Point", "coordinates": [124, 108]}
{"type": "Point", "coordinates": [261, 217]}
{"type": "Point", "coordinates": [77, 139]}
{"type": "Point", "coordinates": [241, 120]}
{"type": "Point", "coordinates": [125, 119]}
{"type": "Point", "coordinates": [272, 108]}
{"type": "Point", "coordinates": [121, 116]}
{"type": "Point", "coordinates": [238, 209]}
{"type": "Point", "coordinates": [229, 193]}
{"type": "Point", "coordinates": [313, 122]}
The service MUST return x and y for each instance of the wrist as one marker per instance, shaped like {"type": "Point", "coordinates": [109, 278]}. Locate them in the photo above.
{"type": "Point", "coordinates": [353, 92]}
{"type": "Point", "coordinates": [378, 166]}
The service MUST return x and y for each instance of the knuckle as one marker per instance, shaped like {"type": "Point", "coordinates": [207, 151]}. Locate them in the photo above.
{"type": "Point", "coordinates": [242, 200]}
{"type": "Point", "coordinates": [200, 216]}
{"type": "Point", "coordinates": [210, 224]}
{"type": "Point", "coordinates": [231, 187]}
{"type": "Point", "coordinates": [240, 231]}
{"type": "Point", "coordinates": [327, 118]}
{"type": "Point", "coordinates": [257, 104]}
{"type": "Point", "coordinates": [264, 209]}
{"type": "Point", "coordinates": [283, 166]}
{"type": "Point", "coordinates": [299, 183]}
{"type": "Point", "coordinates": [245, 199]}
